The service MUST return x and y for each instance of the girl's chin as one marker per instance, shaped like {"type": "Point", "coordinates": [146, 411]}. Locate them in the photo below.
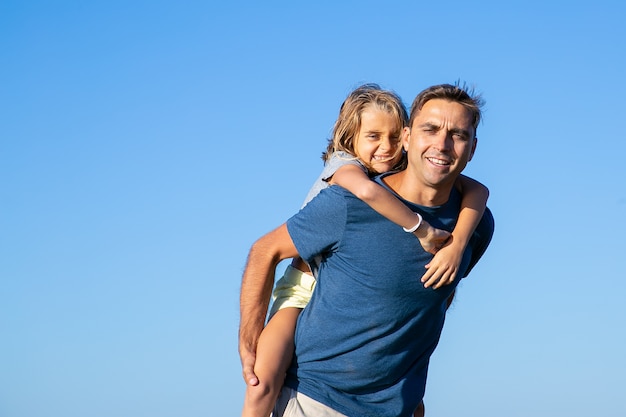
{"type": "Point", "coordinates": [380, 168]}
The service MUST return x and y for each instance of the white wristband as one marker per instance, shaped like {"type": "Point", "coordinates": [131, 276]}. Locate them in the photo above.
{"type": "Point", "coordinates": [414, 228]}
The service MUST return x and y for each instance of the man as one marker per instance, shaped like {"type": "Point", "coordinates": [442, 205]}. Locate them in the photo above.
{"type": "Point", "coordinates": [364, 341]}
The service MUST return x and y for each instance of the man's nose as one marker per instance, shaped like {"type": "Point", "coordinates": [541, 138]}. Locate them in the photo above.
{"type": "Point", "coordinates": [443, 140]}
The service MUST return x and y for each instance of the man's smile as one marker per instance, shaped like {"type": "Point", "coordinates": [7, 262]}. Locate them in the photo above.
{"type": "Point", "coordinates": [437, 161]}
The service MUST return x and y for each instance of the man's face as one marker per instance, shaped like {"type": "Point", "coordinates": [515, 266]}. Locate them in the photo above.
{"type": "Point", "coordinates": [440, 142]}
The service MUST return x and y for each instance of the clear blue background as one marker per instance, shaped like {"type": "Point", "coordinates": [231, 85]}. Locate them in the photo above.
{"type": "Point", "coordinates": [144, 146]}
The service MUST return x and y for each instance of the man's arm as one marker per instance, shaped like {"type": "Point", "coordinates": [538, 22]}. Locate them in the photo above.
{"type": "Point", "coordinates": [256, 289]}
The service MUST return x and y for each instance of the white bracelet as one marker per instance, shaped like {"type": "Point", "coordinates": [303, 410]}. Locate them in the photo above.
{"type": "Point", "coordinates": [414, 228]}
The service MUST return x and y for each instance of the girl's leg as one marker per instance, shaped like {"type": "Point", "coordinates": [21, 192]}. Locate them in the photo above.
{"type": "Point", "coordinates": [273, 356]}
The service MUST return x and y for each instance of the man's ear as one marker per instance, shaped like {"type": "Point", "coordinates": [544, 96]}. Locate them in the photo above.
{"type": "Point", "coordinates": [406, 136]}
{"type": "Point", "coordinates": [473, 149]}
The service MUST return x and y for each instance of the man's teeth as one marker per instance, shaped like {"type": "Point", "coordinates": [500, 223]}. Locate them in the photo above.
{"type": "Point", "coordinates": [439, 161]}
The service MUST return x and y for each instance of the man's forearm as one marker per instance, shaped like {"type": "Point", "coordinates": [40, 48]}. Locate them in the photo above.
{"type": "Point", "coordinates": [257, 284]}
{"type": "Point", "coordinates": [256, 288]}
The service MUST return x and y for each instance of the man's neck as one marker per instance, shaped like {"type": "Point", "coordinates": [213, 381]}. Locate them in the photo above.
{"type": "Point", "coordinates": [415, 191]}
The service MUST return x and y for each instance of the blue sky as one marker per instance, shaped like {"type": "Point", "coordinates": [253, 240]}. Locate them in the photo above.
{"type": "Point", "coordinates": [144, 146]}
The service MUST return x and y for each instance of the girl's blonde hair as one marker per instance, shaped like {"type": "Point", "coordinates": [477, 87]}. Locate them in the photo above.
{"type": "Point", "coordinates": [348, 123]}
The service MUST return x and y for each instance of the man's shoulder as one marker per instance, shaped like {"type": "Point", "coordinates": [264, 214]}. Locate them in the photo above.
{"type": "Point", "coordinates": [481, 238]}
{"type": "Point", "coordinates": [487, 225]}
{"type": "Point", "coordinates": [327, 198]}
{"type": "Point", "coordinates": [335, 197]}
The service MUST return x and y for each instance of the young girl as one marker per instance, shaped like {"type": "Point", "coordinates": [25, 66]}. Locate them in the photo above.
{"type": "Point", "coordinates": [366, 141]}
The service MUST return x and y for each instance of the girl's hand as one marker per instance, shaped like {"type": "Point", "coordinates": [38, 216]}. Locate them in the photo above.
{"type": "Point", "coordinates": [443, 268]}
{"type": "Point", "coordinates": [430, 238]}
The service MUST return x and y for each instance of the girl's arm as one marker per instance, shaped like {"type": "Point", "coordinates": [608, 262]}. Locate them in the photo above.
{"type": "Point", "coordinates": [473, 206]}
{"type": "Point", "coordinates": [352, 178]}
{"type": "Point", "coordinates": [444, 266]}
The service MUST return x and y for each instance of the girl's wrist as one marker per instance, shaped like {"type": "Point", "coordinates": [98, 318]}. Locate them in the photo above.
{"type": "Point", "coordinates": [456, 241]}
{"type": "Point", "coordinates": [416, 226]}
{"type": "Point", "coordinates": [423, 230]}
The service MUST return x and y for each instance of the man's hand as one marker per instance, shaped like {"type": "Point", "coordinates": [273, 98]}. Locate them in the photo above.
{"type": "Point", "coordinates": [248, 359]}
{"type": "Point", "coordinates": [256, 289]}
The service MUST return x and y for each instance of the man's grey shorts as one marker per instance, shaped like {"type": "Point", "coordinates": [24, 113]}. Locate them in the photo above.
{"type": "Point", "coordinates": [291, 403]}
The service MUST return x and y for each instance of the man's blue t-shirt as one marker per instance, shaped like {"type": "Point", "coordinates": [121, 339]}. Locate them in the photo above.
{"type": "Point", "coordinates": [363, 343]}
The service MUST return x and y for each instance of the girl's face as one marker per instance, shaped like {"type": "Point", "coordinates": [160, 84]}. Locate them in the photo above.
{"type": "Point", "coordinates": [378, 140]}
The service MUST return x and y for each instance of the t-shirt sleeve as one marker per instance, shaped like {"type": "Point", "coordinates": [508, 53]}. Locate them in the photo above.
{"type": "Point", "coordinates": [481, 237]}
{"type": "Point", "coordinates": [336, 161]}
{"type": "Point", "coordinates": [318, 227]}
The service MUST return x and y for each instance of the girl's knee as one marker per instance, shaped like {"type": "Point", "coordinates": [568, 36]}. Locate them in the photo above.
{"type": "Point", "coordinates": [263, 391]}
